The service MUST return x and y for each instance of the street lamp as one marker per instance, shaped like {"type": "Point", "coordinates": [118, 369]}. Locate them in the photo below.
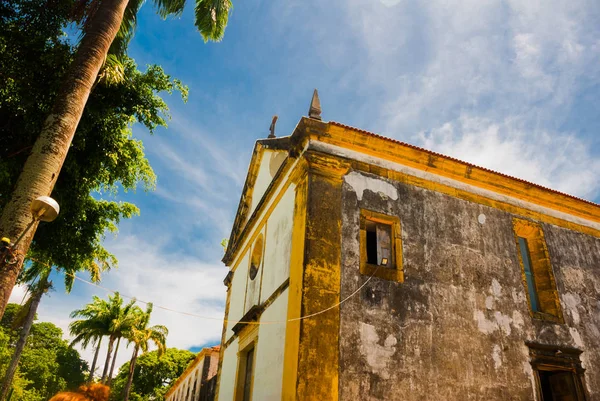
{"type": "Point", "coordinates": [43, 208]}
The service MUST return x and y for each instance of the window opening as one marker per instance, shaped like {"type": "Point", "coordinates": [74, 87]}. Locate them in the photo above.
{"type": "Point", "coordinates": [558, 373]}
{"type": "Point", "coordinates": [379, 244]}
{"type": "Point", "coordinates": [248, 375]}
{"type": "Point", "coordinates": [533, 296]}
{"type": "Point", "coordinates": [536, 270]}
{"type": "Point", "coordinates": [557, 386]}
{"type": "Point", "coordinates": [256, 257]}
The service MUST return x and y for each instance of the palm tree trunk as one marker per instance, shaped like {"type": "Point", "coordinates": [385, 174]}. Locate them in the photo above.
{"type": "Point", "coordinates": [111, 342]}
{"type": "Point", "coordinates": [50, 149]}
{"type": "Point", "coordinates": [112, 365]}
{"type": "Point", "coordinates": [131, 370]}
{"type": "Point", "coordinates": [91, 378]}
{"type": "Point", "coordinates": [14, 362]}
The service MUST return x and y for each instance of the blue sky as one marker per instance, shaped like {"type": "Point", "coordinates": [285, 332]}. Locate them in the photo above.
{"type": "Point", "coordinates": [510, 85]}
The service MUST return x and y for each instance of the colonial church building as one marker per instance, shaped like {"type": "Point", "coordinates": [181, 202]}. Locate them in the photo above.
{"type": "Point", "coordinates": [364, 268]}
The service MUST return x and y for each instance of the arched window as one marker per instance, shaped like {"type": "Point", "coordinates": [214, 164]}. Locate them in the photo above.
{"type": "Point", "coordinates": [256, 257]}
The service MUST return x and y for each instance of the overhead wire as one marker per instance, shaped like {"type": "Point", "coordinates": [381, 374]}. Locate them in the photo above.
{"type": "Point", "coordinates": [250, 322]}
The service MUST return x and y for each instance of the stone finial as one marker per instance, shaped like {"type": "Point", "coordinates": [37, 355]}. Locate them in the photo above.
{"type": "Point", "coordinates": [315, 106]}
{"type": "Point", "coordinates": [272, 127]}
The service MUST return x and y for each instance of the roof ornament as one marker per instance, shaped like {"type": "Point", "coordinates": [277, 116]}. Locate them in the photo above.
{"type": "Point", "coordinates": [272, 127]}
{"type": "Point", "coordinates": [315, 106]}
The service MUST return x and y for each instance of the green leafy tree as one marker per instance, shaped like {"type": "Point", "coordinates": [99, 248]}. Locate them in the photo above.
{"type": "Point", "coordinates": [24, 319]}
{"type": "Point", "coordinates": [153, 375]}
{"type": "Point", "coordinates": [102, 22]}
{"type": "Point", "coordinates": [48, 364]}
{"type": "Point", "coordinates": [33, 60]}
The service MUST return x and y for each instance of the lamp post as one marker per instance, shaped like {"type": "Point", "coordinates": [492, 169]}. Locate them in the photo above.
{"type": "Point", "coordinates": [43, 208]}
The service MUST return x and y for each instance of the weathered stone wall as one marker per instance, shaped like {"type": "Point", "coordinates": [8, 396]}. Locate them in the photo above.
{"type": "Point", "coordinates": [455, 329]}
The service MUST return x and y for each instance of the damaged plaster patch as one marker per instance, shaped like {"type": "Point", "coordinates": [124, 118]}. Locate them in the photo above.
{"type": "Point", "coordinates": [496, 289]}
{"type": "Point", "coordinates": [360, 183]}
{"type": "Point", "coordinates": [484, 325]}
{"type": "Point", "coordinates": [489, 303]}
{"type": "Point", "coordinates": [518, 321]}
{"type": "Point", "coordinates": [576, 337]}
{"type": "Point", "coordinates": [488, 326]}
{"type": "Point", "coordinates": [378, 357]}
{"type": "Point", "coordinates": [572, 301]}
{"type": "Point", "coordinates": [497, 356]}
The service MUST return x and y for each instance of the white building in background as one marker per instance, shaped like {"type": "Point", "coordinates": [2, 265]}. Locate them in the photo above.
{"type": "Point", "coordinates": [198, 381]}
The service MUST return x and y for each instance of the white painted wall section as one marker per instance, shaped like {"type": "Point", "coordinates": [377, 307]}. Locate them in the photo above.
{"type": "Point", "coordinates": [238, 293]}
{"type": "Point", "coordinates": [228, 371]}
{"type": "Point", "coordinates": [268, 374]}
{"type": "Point", "coordinates": [278, 244]}
{"type": "Point", "coordinates": [270, 162]}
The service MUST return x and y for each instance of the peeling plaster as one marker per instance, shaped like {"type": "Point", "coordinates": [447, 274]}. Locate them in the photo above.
{"type": "Point", "coordinates": [378, 357]}
{"type": "Point", "coordinates": [572, 301]}
{"type": "Point", "coordinates": [361, 183]}
{"type": "Point", "coordinates": [496, 289]}
{"type": "Point", "coordinates": [576, 337]}
{"type": "Point", "coordinates": [497, 356]}
{"type": "Point", "coordinates": [488, 326]}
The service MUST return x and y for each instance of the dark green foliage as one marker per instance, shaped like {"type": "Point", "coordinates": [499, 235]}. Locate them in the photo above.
{"type": "Point", "coordinates": [153, 375]}
{"type": "Point", "coordinates": [104, 157]}
{"type": "Point", "coordinates": [48, 364]}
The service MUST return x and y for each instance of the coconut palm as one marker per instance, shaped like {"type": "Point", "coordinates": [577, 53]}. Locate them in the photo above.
{"type": "Point", "coordinates": [37, 278]}
{"type": "Point", "coordinates": [104, 318]}
{"type": "Point", "coordinates": [141, 335]}
{"type": "Point", "coordinates": [24, 319]}
{"type": "Point", "coordinates": [89, 330]}
{"type": "Point", "coordinates": [103, 21]}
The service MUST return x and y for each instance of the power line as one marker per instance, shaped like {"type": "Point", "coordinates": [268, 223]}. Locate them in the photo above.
{"type": "Point", "coordinates": [216, 318]}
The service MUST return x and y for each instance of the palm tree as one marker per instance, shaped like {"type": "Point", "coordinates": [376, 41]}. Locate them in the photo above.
{"type": "Point", "coordinates": [36, 276]}
{"type": "Point", "coordinates": [141, 335]}
{"type": "Point", "coordinates": [25, 317]}
{"type": "Point", "coordinates": [89, 330]}
{"type": "Point", "coordinates": [104, 318]}
{"type": "Point", "coordinates": [104, 20]}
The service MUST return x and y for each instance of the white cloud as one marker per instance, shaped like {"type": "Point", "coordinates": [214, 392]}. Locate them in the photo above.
{"type": "Point", "coordinates": [18, 295]}
{"type": "Point", "coordinates": [555, 159]}
{"type": "Point", "coordinates": [489, 82]}
{"type": "Point", "coordinates": [168, 279]}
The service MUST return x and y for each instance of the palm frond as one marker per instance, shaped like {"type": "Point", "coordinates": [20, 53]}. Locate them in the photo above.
{"type": "Point", "coordinates": [211, 18]}
{"type": "Point", "coordinates": [169, 7]}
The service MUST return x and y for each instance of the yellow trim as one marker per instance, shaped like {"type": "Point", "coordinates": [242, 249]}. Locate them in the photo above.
{"type": "Point", "coordinates": [543, 276]}
{"type": "Point", "coordinates": [292, 331]}
{"type": "Point", "coordinates": [259, 219]}
{"type": "Point", "coordinates": [471, 197]}
{"type": "Point", "coordinates": [248, 339]}
{"type": "Point", "coordinates": [223, 339]}
{"type": "Point", "coordinates": [444, 166]}
{"type": "Point", "coordinates": [396, 273]}
{"type": "Point", "coordinates": [208, 351]}
{"type": "Point", "coordinates": [318, 356]}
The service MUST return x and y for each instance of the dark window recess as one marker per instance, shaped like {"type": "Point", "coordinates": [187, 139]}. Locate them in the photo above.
{"type": "Point", "coordinates": [371, 243]}
{"type": "Point", "coordinates": [527, 265]}
{"type": "Point", "coordinates": [557, 386]}
{"type": "Point", "coordinates": [248, 375]}
{"type": "Point", "coordinates": [379, 244]}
